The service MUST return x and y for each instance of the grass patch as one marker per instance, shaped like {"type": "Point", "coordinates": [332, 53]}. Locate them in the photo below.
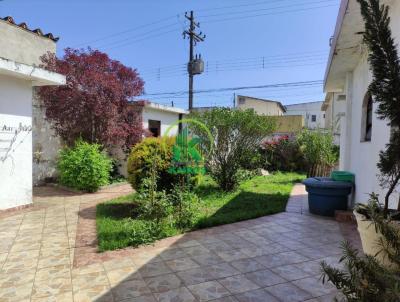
{"type": "Point", "coordinates": [117, 226]}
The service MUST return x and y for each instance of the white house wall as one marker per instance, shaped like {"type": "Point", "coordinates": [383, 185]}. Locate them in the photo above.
{"type": "Point", "coordinates": [363, 156]}
{"type": "Point", "coordinates": [166, 118]}
{"type": "Point", "coordinates": [15, 142]}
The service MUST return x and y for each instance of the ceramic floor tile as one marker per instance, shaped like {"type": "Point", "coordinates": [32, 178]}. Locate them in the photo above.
{"type": "Point", "coordinates": [89, 280]}
{"type": "Point", "coordinates": [265, 278]}
{"type": "Point", "coordinates": [55, 260]}
{"type": "Point", "coordinates": [181, 264]}
{"type": "Point", "coordinates": [247, 265]}
{"type": "Point", "coordinates": [195, 276]}
{"type": "Point", "coordinates": [17, 278]}
{"type": "Point", "coordinates": [208, 291]}
{"type": "Point", "coordinates": [19, 293]}
{"type": "Point", "coordinates": [222, 270]}
{"type": "Point", "coordinates": [51, 287]}
{"type": "Point", "coordinates": [181, 294]}
{"type": "Point", "coordinates": [287, 292]}
{"type": "Point", "coordinates": [280, 259]}
{"type": "Point", "coordinates": [123, 274]}
{"type": "Point", "coordinates": [171, 254]}
{"type": "Point", "coordinates": [315, 287]}
{"type": "Point", "coordinates": [258, 295]}
{"type": "Point", "coordinates": [231, 255]}
{"type": "Point", "coordinates": [290, 272]}
{"type": "Point", "coordinates": [208, 259]}
{"type": "Point", "coordinates": [61, 271]}
{"type": "Point", "coordinates": [154, 269]}
{"type": "Point", "coordinates": [100, 293]}
{"type": "Point", "coordinates": [63, 297]}
{"type": "Point", "coordinates": [238, 284]}
{"type": "Point", "coordinates": [93, 268]}
{"type": "Point", "coordinates": [163, 283]}
{"type": "Point", "coordinates": [129, 289]}
{"type": "Point", "coordinates": [118, 263]}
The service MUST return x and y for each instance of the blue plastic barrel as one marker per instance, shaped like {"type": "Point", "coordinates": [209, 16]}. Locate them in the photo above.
{"type": "Point", "coordinates": [325, 196]}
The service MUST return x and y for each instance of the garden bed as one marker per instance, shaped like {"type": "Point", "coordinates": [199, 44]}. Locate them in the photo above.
{"type": "Point", "coordinates": [118, 226]}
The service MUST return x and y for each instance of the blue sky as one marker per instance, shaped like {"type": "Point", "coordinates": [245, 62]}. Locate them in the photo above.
{"type": "Point", "coordinates": [248, 43]}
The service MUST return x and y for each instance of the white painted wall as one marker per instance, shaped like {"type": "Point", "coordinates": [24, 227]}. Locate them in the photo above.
{"type": "Point", "coordinates": [166, 118]}
{"type": "Point", "coordinates": [359, 156]}
{"type": "Point", "coordinates": [307, 110]}
{"type": "Point", "coordinates": [15, 142]}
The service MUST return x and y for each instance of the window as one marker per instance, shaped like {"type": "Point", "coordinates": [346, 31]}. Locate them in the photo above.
{"type": "Point", "coordinates": [155, 127]}
{"type": "Point", "coordinates": [366, 120]}
{"type": "Point", "coordinates": [324, 115]}
{"type": "Point", "coordinates": [242, 100]}
{"type": "Point", "coordinates": [313, 118]}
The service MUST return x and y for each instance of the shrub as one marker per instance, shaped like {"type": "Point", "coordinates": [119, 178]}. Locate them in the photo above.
{"type": "Point", "coordinates": [236, 134]}
{"type": "Point", "coordinates": [84, 167]}
{"type": "Point", "coordinates": [282, 154]}
{"type": "Point", "coordinates": [184, 203]}
{"type": "Point", "coordinates": [141, 158]}
{"type": "Point", "coordinates": [320, 153]}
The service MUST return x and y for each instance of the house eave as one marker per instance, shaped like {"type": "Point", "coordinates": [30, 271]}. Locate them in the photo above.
{"type": "Point", "coordinates": [38, 76]}
{"type": "Point", "coordinates": [346, 46]}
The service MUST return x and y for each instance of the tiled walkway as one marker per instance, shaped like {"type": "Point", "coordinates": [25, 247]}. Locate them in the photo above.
{"type": "Point", "coordinates": [48, 254]}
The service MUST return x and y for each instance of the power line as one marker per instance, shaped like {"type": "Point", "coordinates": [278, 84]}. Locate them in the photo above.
{"type": "Point", "coordinates": [124, 41]}
{"type": "Point", "coordinates": [270, 8]}
{"type": "Point", "coordinates": [269, 14]}
{"type": "Point", "coordinates": [292, 84]}
{"type": "Point", "coordinates": [304, 54]}
{"type": "Point", "coordinates": [113, 35]}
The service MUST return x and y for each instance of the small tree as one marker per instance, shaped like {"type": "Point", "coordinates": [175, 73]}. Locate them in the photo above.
{"type": "Point", "coordinates": [385, 87]}
{"type": "Point", "coordinates": [93, 105]}
{"type": "Point", "coordinates": [236, 134]}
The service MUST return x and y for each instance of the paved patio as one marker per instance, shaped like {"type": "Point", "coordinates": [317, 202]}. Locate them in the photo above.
{"type": "Point", "coordinates": [48, 253]}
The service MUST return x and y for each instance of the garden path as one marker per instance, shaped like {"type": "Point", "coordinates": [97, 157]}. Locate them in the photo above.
{"type": "Point", "coordinates": [48, 253]}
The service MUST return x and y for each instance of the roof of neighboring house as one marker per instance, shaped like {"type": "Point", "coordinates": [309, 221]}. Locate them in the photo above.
{"type": "Point", "coordinates": [156, 106]}
{"type": "Point", "coordinates": [304, 103]}
{"type": "Point", "coordinates": [264, 100]}
{"type": "Point", "coordinates": [24, 26]}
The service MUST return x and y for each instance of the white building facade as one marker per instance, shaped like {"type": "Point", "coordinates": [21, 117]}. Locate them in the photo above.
{"type": "Point", "coordinates": [362, 134]}
{"type": "Point", "coordinates": [313, 115]}
{"type": "Point", "coordinates": [158, 119]}
{"type": "Point", "coordinates": [20, 50]}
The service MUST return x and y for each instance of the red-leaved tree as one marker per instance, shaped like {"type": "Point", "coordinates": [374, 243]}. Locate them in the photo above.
{"type": "Point", "coordinates": [94, 104]}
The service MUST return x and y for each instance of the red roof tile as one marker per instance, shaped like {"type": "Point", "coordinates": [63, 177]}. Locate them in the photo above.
{"type": "Point", "coordinates": [37, 31]}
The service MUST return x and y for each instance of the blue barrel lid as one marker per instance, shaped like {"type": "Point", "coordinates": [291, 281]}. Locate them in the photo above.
{"type": "Point", "coordinates": [326, 182]}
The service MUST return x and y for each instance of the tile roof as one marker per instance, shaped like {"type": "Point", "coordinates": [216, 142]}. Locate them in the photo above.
{"type": "Point", "coordinates": [36, 31]}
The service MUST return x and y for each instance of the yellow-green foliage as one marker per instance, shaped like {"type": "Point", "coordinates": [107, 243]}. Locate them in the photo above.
{"type": "Point", "coordinates": [151, 149]}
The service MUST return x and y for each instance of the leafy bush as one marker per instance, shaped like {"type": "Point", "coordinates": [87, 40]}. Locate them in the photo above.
{"type": "Point", "coordinates": [320, 153]}
{"type": "Point", "coordinates": [236, 134]}
{"type": "Point", "coordinates": [151, 150]}
{"type": "Point", "coordinates": [84, 167]}
{"type": "Point", "coordinates": [282, 154]}
{"type": "Point", "coordinates": [184, 203]}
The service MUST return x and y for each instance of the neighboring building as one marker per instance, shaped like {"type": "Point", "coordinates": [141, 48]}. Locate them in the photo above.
{"type": "Point", "coordinates": [20, 50]}
{"type": "Point", "coordinates": [334, 107]}
{"type": "Point", "coordinates": [158, 119]}
{"type": "Point", "coordinates": [348, 75]}
{"type": "Point", "coordinates": [313, 115]}
{"type": "Point", "coordinates": [261, 106]}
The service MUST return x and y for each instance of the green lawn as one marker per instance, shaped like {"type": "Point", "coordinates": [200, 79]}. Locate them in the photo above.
{"type": "Point", "coordinates": [259, 196]}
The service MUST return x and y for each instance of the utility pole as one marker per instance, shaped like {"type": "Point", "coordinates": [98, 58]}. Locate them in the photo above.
{"type": "Point", "coordinates": [196, 64]}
